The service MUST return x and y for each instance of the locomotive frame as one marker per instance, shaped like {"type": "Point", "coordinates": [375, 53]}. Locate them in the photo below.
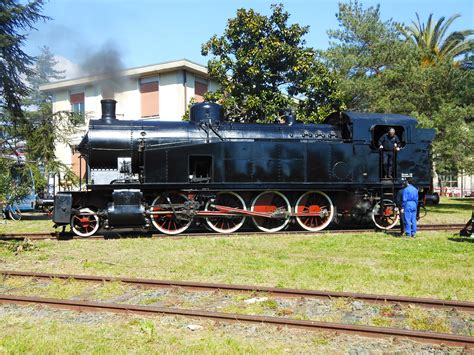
{"type": "Point", "coordinates": [169, 174]}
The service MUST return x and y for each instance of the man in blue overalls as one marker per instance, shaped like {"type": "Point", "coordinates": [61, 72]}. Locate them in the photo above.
{"type": "Point", "coordinates": [409, 207]}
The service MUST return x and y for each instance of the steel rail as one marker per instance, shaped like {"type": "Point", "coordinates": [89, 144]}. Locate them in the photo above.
{"type": "Point", "coordinates": [429, 337]}
{"type": "Point", "coordinates": [65, 236]}
{"type": "Point", "coordinates": [466, 306]}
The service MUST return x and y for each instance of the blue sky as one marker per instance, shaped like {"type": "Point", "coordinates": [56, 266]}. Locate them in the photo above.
{"type": "Point", "coordinates": [150, 32]}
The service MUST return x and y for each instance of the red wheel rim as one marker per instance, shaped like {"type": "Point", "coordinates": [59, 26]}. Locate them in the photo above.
{"type": "Point", "coordinates": [385, 214]}
{"type": "Point", "coordinates": [86, 223]}
{"type": "Point", "coordinates": [170, 223]}
{"type": "Point", "coordinates": [271, 202]}
{"type": "Point", "coordinates": [226, 224]}
{"type": "Point", "coordinates": [319, 205]}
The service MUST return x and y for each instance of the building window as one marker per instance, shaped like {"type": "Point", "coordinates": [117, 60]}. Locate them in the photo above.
{"type": "Point", "coordinates": [150, 97]}
{"type": "Point", "coordinates": [200, 88]}
{"type": "Point", "coordinates": [449, 180]}
{"type": "Point", "coordinates": [77, 103]}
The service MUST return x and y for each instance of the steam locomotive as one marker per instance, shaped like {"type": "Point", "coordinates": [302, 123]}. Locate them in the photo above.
{"type": "Point", "coordinates": [224, 175]}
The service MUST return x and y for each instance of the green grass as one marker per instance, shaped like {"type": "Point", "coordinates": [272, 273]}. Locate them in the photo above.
{"type": "Point", "coordinates": [46, 335]}
{"type": "Point", "coordinates": [449, 210]}
{"type": "Point", "coordinates": [433, 265]}
{"type": "Point", "coordinates": [29, 224]}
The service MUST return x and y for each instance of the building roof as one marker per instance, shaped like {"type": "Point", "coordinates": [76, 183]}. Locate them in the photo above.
{"type": "Point", "coordinates": [182, 64]}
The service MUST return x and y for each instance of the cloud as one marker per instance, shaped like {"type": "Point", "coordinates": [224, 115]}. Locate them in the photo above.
{"type": "Point", "coordinates": [72, 70]}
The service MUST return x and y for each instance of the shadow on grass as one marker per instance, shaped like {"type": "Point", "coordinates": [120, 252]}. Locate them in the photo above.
{"type": "Point", "coordinates": [462, 239]}
{"type": "Point", "coordinates": [35, 216]}
{"type": "Point", "coordinates": [393, 234]}
{"type": "Point", "coordinates": [464, 199]}
{"type": "Point", "coordinates": [449, 208]}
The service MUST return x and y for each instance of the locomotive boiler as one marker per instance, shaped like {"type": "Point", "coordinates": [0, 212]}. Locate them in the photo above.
{"type": "Point", "coordinates": [224, 175]}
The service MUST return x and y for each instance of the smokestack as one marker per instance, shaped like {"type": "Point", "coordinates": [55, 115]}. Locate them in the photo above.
{"type": "Point", "coordinates": [108, 110]}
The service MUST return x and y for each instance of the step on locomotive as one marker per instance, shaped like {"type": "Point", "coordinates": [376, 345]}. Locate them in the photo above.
{"type": "Point", "coordinates": [149, 173]}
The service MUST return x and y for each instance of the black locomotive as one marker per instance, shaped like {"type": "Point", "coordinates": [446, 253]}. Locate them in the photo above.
{"type": "Point", "coordinates": [221, 174]}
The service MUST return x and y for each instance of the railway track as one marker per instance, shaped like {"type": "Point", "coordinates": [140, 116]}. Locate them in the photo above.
{"type": "Point", "coordinates": [283, 292]}
{"type": "Point", "coordinates": [429, 337]}
{"type": "Point", "coordinates": [380, 332]}
{"type": "Point", "coordinates": [114, 235]}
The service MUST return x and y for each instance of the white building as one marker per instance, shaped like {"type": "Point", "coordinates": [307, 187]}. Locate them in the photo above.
{"type": "Point", "coordinates": [160, 91]}
{"type": "Point", "coordinates": [454, 185]}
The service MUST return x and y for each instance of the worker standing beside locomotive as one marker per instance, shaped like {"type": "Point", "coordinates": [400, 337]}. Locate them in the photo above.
{"type": "Point", "coordinates": [409, 207]}
{"type": "Point", "coordinates": [388, 143]}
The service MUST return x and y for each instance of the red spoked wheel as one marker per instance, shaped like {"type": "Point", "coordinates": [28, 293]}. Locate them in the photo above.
{"type": "Point", "coordinates": [85, 223]}
{"type": "Point", "coordinates": [319, 209]}
{"type": "Point", "coordinates": [276, 206]}
{"type": "Point", "coordinates": [385, 214]}
{"type": "Point", "coordinates": [168, 214]}
{"type": "Point", "coordinates": [228, 223]}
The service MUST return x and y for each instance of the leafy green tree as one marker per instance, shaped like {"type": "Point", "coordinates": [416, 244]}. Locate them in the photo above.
{"type": "Point", "coordinates": [15, 20]}
{"type": "Point", "coordinates": [379, 71]}
{"type": "Point", "coordinates": [28, 130]}
{"type": "Point", "coordinates": [436, 43]}
{"type": "Point", "coordinates": [45, 129]}
{"type": "Point", "coordinates": [361, 50]}
{"type": "Point", "coordinates": [263, 66]}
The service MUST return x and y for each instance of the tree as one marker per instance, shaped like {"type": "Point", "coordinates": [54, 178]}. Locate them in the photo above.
{"type": "Point", "coordinates": [433, 40]}
{"type": "Point", "coordinates": [361, 50]}
{"type": "Point", "coordinates": [15, 19]}
{"type": "Point", "coordinates": [15, 64]}
{"type": "Point", "coordinates": [263, 66]}
{"type": "Point", "coordinates": [379, 71]}
{"type": "Point", "coordinates": [44, 71]}
{"type": "Point", "coordinates": [28, 130]}
{"type": "Point", "coordinates": [45, 129]}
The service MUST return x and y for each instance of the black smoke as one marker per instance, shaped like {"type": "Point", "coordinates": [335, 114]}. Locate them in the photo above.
{"type": "Point", "coordinates": [105, 63]}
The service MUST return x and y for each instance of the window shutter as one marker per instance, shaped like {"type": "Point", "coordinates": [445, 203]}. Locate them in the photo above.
{"type": "Point", "coordinates": [149, 93]}
{"type": "Point", "coordinates": [199, 90]}
{"type": "Point", "coordinates": [76, 98]}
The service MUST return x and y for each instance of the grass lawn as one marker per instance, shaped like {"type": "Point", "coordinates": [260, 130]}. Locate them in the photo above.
{"type": "Point", "coordinates": [449, 210]}
{"type": "Point", "coordinates": [31, 223]}
{"type": "Point", "coordinates": [46, 331]}
{"type": "Point", "coordinates": [435, 264]}
{"type": "Point", "coordinates": [58, 332]}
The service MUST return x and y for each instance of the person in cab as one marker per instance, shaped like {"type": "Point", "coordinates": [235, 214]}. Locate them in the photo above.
{"type": "Point", "coordinates": [388, 143]}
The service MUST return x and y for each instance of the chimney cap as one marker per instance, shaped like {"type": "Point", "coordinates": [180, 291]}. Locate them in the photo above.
{"type": "Point", "coordinates": [108, 110]}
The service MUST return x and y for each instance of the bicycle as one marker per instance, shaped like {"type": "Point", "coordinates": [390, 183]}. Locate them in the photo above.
{"type": "Point", "coordinates": [12, 212]}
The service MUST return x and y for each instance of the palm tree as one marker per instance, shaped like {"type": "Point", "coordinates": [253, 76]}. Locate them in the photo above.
{"type": "Point", "coordinates": [433, 41]}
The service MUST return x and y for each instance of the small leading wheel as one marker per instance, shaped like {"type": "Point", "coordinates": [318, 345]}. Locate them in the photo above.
{"type": "Point", "coordinates": [168, 214]}
{"type": "Point", "coordinates": [385, 214]}
{"type": "Point", "coordinates": [276, 205]}
{"type": "Point", "coordinates": [85, 223]}
{"type": "Point", "coordinates": [319, 207]}
{"type": "Point", "coordinates": [14, 213]}
{"type": "Point", "coordinates": [226, 224]}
